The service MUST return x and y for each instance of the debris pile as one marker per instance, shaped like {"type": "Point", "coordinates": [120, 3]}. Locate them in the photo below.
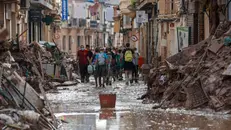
{"type": "Point", "coordinates": [199, 76]}
{"type": "Point", "coordinates": [26, 71]}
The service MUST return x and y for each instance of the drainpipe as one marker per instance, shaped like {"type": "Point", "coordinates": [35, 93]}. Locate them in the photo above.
{"type": "Point", "coordinates": [147, 40]}
{"type": "Point", "coordinates": [156, 34]}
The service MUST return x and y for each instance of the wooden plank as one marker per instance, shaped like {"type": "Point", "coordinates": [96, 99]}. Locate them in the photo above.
{"type": "Point", "coordinates": [31, 94]}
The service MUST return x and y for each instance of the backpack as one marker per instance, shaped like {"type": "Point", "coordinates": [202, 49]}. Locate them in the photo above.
{"type": "Point", "coordinates": [90, 69]}
{"type": "Point", "coordinates": [101, 59]}
{"type": "Point", "coordinates": [117, 59]}
{"type": "Point", "coordinates": [128, 56]}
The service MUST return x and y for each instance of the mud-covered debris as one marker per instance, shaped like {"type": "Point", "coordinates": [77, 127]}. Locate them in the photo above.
{"type": "Point", "coordinates": [199, 76]}
{"type": "Point", "coordinates": [26, 70]}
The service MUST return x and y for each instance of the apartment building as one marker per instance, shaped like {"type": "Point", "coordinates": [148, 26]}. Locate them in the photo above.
{"type": "Point", "coordinates": [25, 18]}
{"type": "Point", "coordinates": [87, 26]}
{"type": "Point", "coordinates": [10, 16]}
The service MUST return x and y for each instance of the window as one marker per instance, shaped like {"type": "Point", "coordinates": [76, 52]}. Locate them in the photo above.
{"type": "Point", "coordinates": [127, 22]}
{"type": "Point", "coordinates": [78, 41]}
{"type": "Point", "coordinates": [64, 43]}
{"type": "Point", "coordinates": [172, 6]}
{"type": "Point", "coordinates": [74, 22]}
{"type": "Point", "coordinates": [70, 41]}
{"type": "Point", "coordinates": [82, 22]}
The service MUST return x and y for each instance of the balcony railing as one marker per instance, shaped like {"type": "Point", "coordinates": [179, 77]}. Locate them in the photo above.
{"type": "Point", "coordinates": [142, 3]}
{"type": "Point", "coordinates": [45, 3]}
{"type": "Point", "coordinates": [9, 1]}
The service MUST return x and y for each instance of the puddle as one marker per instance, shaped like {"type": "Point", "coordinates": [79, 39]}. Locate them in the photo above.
{"type": "Point", "coordinates": [146, 120]}
{"type": "Point", "coordinates": [79, 105]}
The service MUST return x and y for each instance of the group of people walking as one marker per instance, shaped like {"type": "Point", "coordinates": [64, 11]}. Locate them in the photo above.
{"type": "Point", "coordinates": [108, 65]}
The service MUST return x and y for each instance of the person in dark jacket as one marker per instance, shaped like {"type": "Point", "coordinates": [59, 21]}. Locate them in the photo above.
{"type": "Point", "coordinates": [89, 58]}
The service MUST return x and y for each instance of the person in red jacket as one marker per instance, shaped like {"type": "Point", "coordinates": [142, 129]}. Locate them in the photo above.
{"type": "Point", "coordinates": [82, 57]}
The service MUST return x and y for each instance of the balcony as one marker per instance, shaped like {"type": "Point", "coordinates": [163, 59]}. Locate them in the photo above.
{"type": "Point", "coordinates": [47, 4]}
{"type": "Point", "coordinates": [75, 23]}
{"type": "Point", "coordinates": [144, 4]}
{"type": "Point", "coordinates": [124, 8]}
{"type": "Point", "coordinates": [10, 1]}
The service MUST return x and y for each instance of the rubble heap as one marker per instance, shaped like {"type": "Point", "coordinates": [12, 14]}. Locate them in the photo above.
{"type": "Point", "coordinates": [22, 78]}
{"type": "Point", "coordinates": [199, 76]}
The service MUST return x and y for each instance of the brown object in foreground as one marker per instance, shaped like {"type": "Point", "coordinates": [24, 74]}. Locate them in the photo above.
{"type": "Point", "coordinates": [107, 100]}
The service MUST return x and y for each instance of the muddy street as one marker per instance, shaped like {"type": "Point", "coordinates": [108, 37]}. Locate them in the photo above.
{"type": "Point", "coordinates": [79, 106]}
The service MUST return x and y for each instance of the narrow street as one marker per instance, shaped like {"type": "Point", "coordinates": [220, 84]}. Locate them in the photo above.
{"type": "Point", "coordinates": [79, 106]}
{"type": "Point", "coordinates": [178, 50]}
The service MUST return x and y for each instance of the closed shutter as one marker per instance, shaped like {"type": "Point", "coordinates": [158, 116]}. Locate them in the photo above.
{"type": "Point", "coordinates": [161, 7]}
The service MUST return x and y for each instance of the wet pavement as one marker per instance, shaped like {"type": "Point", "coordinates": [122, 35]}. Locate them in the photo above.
{"type": "Point", "coordinates": [79, 106]}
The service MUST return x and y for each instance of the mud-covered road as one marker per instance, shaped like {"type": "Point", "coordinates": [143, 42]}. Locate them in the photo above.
{"type": "Point", "coordinates": [79, 106]}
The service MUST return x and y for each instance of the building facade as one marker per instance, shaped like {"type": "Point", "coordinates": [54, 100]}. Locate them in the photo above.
{"type": "Point", "coordinates": [24, 18]}
{"type": "Point", "coordinates": [86, 26]}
